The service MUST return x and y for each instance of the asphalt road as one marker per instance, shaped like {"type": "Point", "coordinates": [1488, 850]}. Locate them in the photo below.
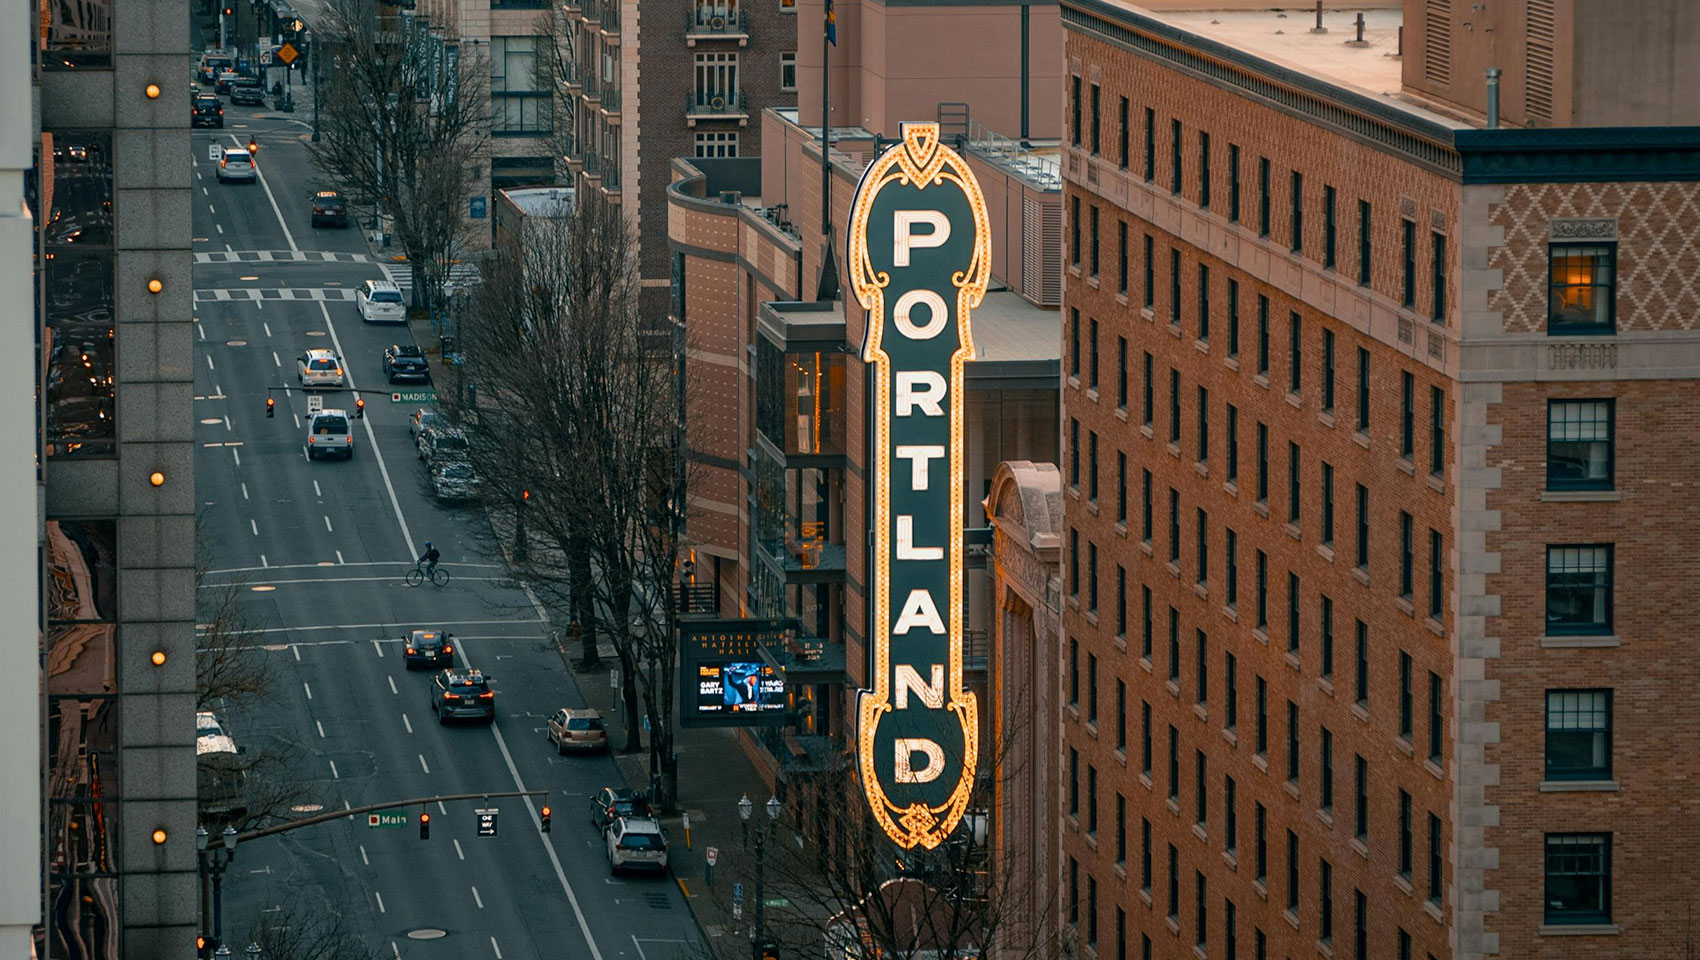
{"type": "Point", "coordinates": [320, 549]}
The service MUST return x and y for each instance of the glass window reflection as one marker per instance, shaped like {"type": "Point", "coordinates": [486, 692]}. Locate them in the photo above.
{"type": "Point", "coordinates": [82, 741]}
{"type": "Point", "coordinates": [78, 335]}
{"type": "Point", "coordinates": [83, 836]}
{"type": "Point", "coordinates": [79, 34]}
{"type": "Point", "coordinates": [82, 569]}
{"type": "Point", "coordinates": [85, 918]}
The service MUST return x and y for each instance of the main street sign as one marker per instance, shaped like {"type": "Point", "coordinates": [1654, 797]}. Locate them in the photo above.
{"type": "Point", "coordinates": [919, 261]}
{"type": "Point", "coordinates": [385, 818]}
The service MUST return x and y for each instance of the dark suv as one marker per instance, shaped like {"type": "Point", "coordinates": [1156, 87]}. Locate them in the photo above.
{"type": "Point", "coordinates": [248, 90]}
{"type": "Point", "coordinates": [208, 112]}
{"type": "Point", "coordinates": [463, 695]}
{"type": "Point", "coordinates": [428, 648]}
{"type": "Point", "coordinates": [404, 361]}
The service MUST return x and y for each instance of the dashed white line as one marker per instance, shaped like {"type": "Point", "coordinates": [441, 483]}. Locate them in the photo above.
{"type": "Point", "coordinates": [328, 524]}
{"type": "Point", "coordinates": [295, 648]}
{"type": "Point", "coordinates": [316, 491]}
{"type": "Point", "coordinates": [202, 330]}
{"type": "Point", "coordinates": [210, 207]}
{"type": "Point", "coordinates": [458, 851]}
{"type": "Point", "coordinates": [423, 765]}
{"type": "Point", "coordinates": [496, 947]}
{"type": "Point", "coordinates": [237, 454]}
{"type": "Point", "coordinates": [227, 422]}
{"type": "Point", "coordinates": [363, 858]}
{"type": "Point", "coordinates": [209, 361]}
{"type": "Point", "coordinates": [275, 361]}
{"type": "Point", "coordinates": [220, 228]}
{"type": "Point", "coordinates": [334, 774]}
{"type": "Point", "coordinates": [244, 490]}
{"type": "Point", "coordinates": [263, 561]}
{"type": "Point", "coordinates": [378, 646]}
{"type": "Point", "coordinates": [477, 899]}
{"type": "Point", "coordinates": [394, 690]}
{"type": "Point", "coordinates": [404, 721]}
{"type": "Point", "coordinates": [380, 901]}
{"type": "Point", "coordinates": [267, 326]}
{"type": "Point", "coordinates": [204, 192]}
{"type": "Point", "coordinates": [309, 689]}
{"type": "Point", "coordinates": [395, 950]}
{"type": "Point", "coordinates": [254, 526]}
{"type": "Point", "coordinates": [339, 558]}
{"type": "Point", "coordinates": [442, 809]}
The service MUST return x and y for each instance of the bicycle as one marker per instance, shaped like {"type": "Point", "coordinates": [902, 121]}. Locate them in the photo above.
{"type": "Point", "coordinates": [416, 576]}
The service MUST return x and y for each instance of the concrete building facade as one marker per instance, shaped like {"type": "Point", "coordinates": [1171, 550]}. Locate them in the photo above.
{"type": "Point", "coordinates": [1366, 404]}
{"type": "Point", "coordinates": [113, 477]}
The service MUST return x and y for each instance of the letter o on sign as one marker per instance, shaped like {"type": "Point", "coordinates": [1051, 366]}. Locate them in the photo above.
{"type": "Point", "coordinates": [938, 314]}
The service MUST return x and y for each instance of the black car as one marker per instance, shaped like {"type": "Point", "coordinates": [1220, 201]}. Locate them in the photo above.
{"type": "Point", "coordinates": [248, 90]}
{"type": "Point", "coordinates": [329, 209]}
{"type": "Point", "coordinates": [428, 648]}
{"type": "Point", "coordinates": [404, 361]}
{"type": "Point", "coordinates": [463, 695]}
{"type": "Point", "coordinates": [612, 803]}
{"type": "Point", "coordinates": [208, 112]}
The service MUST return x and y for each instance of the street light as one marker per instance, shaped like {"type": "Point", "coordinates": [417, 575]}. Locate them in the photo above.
{"type": "Point", "coordinates": [758, 934]}
{"type": "Point", "coordinates": [213, 862]}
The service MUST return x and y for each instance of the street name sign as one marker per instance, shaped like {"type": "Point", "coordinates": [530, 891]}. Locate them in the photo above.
{"type": "Point", "coordinates": [384, 818]}
{"type": "Point", "coordinates": [413, 396]}
{"type": "Point", "coordinates": [919, 263]}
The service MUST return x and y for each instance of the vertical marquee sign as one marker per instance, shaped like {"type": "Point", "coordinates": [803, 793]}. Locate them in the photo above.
{"type": "Point", "coordinates": [919, 260]}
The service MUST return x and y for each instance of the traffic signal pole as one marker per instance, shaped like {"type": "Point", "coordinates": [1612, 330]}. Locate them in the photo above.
{"type": "Point", "coordinates": [373, 807]}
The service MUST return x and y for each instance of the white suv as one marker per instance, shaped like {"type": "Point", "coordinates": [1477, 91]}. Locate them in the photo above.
{"type": "Point", "coordinates": [319, 368]}
{"type": "Point", "coordinates": [328, 432]}
{"type": "Point", "coordinates": [380, 302]}
{"type": "Point", "coordinates": [235, 164]}
{"type": "Point", "coordinates": [636, 842]}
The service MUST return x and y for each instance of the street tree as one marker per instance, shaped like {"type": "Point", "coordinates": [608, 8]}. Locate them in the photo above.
{"type": "Point", "coordinates": [580, 409]}
{"type": "Point", "coordinates": [303, 930]}
{"type": "Point", "coordinates": [403, 117]}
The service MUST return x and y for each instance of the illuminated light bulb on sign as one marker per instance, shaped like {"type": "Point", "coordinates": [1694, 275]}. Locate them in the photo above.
{"type": "Point", "coordinates": [919, 263]}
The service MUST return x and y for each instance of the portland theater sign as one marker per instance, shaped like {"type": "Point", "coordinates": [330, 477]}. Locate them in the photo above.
{"type": "Point", "coordinates": [919, 260]}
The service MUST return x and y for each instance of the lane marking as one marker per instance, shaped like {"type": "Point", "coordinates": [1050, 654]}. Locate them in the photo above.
{"type": "Point", "coordinates": [244, 490]}
{"type": "Point", "coordinates": [423, 765]}
{"type": "Point", "coordinates": [212, 209]}
{"type": "Point", "coordinates": [339, 558]}
{"type": "Point", "coordinates": [395, 691]}
{"type": "Point", "coordinates": [363, 858]}
{"type": "Point", "coordinates": [209, 361]}
{"type": "Point", "coordinates": [275, 361]}
{"type": "Point", "coordinates": [295, 648]}
{"type": "Point", "coordinates": [334, 774]}
{"type": "Point", "coordinates": [201, 329]}
{"type": "Point", "coordinates": [459, 851]}
{"type": "Point", "coordinates": [363, 563]}
{"type": "Point", "coordinates": [496, 947]}
{"type": "Point", "coordinates": [268, 328]}
{"type": "Point", "coordinates": [261, 176]}
{"type": "Point", "coordinates": [371, 438]}
{"type": "Point", "coordinates": [214, 586]}
{"type": "Point", "coordinates": [321, 725]}
{"type": "Point", "coordinates": [378, 647]}
{"type": "Point", "coordinates": [308, 689]}
{"type": "Point", "coordinates": [442, 809]}
{"type": "Point", "coordinates": [262, 559]}
{"type": "Point", "coordinates": [404, 721]}
{"type": "Point", "coordinates": [383, 626]}
{"type": "Point", "coordinates": [237, 454]}
{"type": "Point", "coordinates": [316, 491]}
{"type": "Point", "coordinates": [254, 526]}
{"type": "Point", "coordinates": [220, 228]}
{"type": "Point", "coordinates": [328, 524]}
{"type": "Point", "coordinates": [380, 901]}
{"type": "Point", "coordinates": [480, 901]}
{"type": "Point", "coordinates": [227, 425]}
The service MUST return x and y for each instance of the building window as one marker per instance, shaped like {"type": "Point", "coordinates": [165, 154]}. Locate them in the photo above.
{"type": "Point", "coordinates": [1579, 444]}
{"type": "Point", "coordinates": [1175, 287]}
{"type": "Point", "coordinates": [1074, 783]}
{"type": "Point", "coordinates": [1145, 507]}
{"type": "Point", "coordinates": [1329, 231]}
{"type": "Point", "coordinates": [1175, 157]}
{"type": "Point", "coordinates": [1405, 697]}
{"type": "Point", "coordinates": [1260, 843]}
{"type": "Point", "coordinates": [1175, 646]}
{"type": "Point", "coordinates": [1435, 882]}
{"type": "Point", "coordinates": [1233, 183]}
{"type": "Point", "coordinates": [1579, 589]}
{"type": "Point", "coordinates": [1230, 816]}
{"type": "Point", "coordinates": [1074, 110]}
{"type": "Point", "coordinates": [1200, 920]}
{"type": "Point", "coordinates": [1174, 758]}
{"type": "Point", "coordinates": [1203, 425]}
{"type": "Point", "coordinates": [788, 71]}
{"type": "Point", "coordinates": [1150, 273]}
{"type": "Point", "coordinates": [1438, 314]}
{"type": "Point", "coordinates": [1326, 615]}
{"type": "Point", "coordinates": [1263, 196]}
{"type": "Point", "coordinates": [1092, 689]}
{"type": "Point", "coordinates": [1295, 344]}
{"type": "Point", "coordinates": [1409, 297]}
{"type": "Point", "coordinates": [1204, 169]}
{"type": "Point", "coordinates": [1407, 552]}
{"type": "Point", "coordinates": [1327, 775]}
{"type": "Point", "coordinates": [1360, 687]}
{"type": "Point", "coordinates": [1204, 303]}
{"type": "Point", "coordinates": [1121, 710]}
{"type": "Point", "coordinates": [1325, 909]}
{"type": "Point", "coordinates": [1328, 505]}
{"type": "Point", "coordinates": [1121, 373]}
{"type": "Point", "coordinates": [1262, 335]}
{"type": "Point", "coordinates": [1231, 680]}
{"type": "Point", "coordinates": [1121, 257]}
{"type": "Point", "coordinates": [1363, 390]}
{"type": "Point", "coordinates": [1074, 450]}
{"type": "Point", "coordinates": [1578, 887]}
{"type": "Point", "coordinates": [1092, 578]}
{"type": "Point", "coordinates": [1262, 463]}
{"type": "Point", "coordinates": [1436, 575]}
{"type": "Point", "coordinates": [1096, 125]}
{"type": "Point", "coordinates": [1437, 432]}
{"type": "Point", "coordinates": [1292, 872]}
{"type": "Point", "coordinates": [1262, 702]}
{"type": "Point", "coordinates": [1360, 926]}
{"type": "Point", "coordinates": [716, 79]}
{"type": "Point", "coordinates": [1091, 801]}
{"type": "Point", "coordinates": [1262, 591]}
{"type": "Point", "coordinates": [1121, 487]}
{"type": "Point", "coordinates": [716, 144]}
{"type": "Point", "coordinates": [1233, 441]}
{"type": "Point", "coordinates": [1174, 910]}
{"type": "Point", "coordinates": [1092, 356]}
{"type": "Point", "coordinates": [1121, 601]}
{"type": "Point", "coordinates": [1404, 834]}
{"type": "Point", "coordinates": [1360, 801]}
{"type": "Point", "coordinates": [1363, 243]}
{"type": "Point", "coordinates": [1145, 739]}
{"type": "Point", "coordinates": [1203, 557]}
{"type": "Point", "coordinates": [1074, 231]}
{"type": "Point", "coordinates": [1233, 573]}
{"type": "Point", "coordinates": [1145, 855]}
{"type": "Point", "coordinates": [1121, 829]}
{"type": "Point", "coordinates": [1294, 495]}
{"type": "Point", "coordinates": [1174, 406]}
{"type": "Point", "coordinates": [1578, 735]}
{"type": "Point", "coordinates": [1092, 912]}
{"type": "Point", "coordinates": [1362, 559]}
{"type": "Point", "coordinates": [1436, 719]}
{"type": "Point", "coordinates": [1292, 613]}
{"type": "Point", "coordinates": [1093, 222]}
{"type": "Point", "coordinates": [1123, 129]}
{"type": "Point", "coordinates": [1298, 211]}
{"type": "Point", "coordinates": [1074, 672]}
{"type": "Point", "coordinates": [520, 105]}
{"type": "Point", "coordinates": [1150, 144]}
{"type": "Point", "coordinates": [1328, 372]}
{"type": "Point", "coordinates": [1233, 318]}
{"type": "Point", "coordinates": [1292, 742]}
{"type": "Point", "coordinates": [1150, 390]}
{"type": "Point", "coordinates": [1201, 806]}
{"type": "Point", "coordinates": [1582, 299]}
{"type": "Point", "coordinates": [1407, 414]}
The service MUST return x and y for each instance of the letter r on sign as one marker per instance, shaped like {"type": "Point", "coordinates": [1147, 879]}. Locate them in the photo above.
{"type": "Point", "coordinates": [920, 388]}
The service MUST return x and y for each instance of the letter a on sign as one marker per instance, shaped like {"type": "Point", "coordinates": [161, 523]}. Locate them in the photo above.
{"type": "Point", "coordinates": [919, 260]}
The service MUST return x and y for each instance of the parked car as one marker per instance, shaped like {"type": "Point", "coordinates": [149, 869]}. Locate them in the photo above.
{"type": "Point", "coordinates": [428, 648]}
{"type": "Point", "coordinates": [454, 479]}
{"type": "Point", "coordinates": [248, 90]}
{"type": "Point", "coordinates": [328, 432]}
{"type": "Point", "coordinates": [329, 209]}
{"type": "Point", "coordinates": [612, 803]}
{"type": "Point", "coordinates": [442, 443]}
{"type": "Point", "coordinates": [405, 361]}
{"type": "Point", "coordinates": [220, 773]}
{"type": "Point", "coordinates": [236, 164]}
{"type": "Point", "coordinates": [380, 301]}
{"type": "Point", "coordinates": [570, 729]}
{"type": "Point", "coordinates": [636, 843]}
{"type": "Point", "coordinates": [319, 368]}
{"type": "Point", "coordinates": [463, 694]}
{"type": "Point", "coordinates": [226, 80]}
{"type": "Point", "coordinates": [423, 420]}
{"type": "Point", "coordinates": [207, 111]}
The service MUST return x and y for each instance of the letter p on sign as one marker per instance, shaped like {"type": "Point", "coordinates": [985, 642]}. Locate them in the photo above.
{"type": "Point", "coordinates": [905, 239]}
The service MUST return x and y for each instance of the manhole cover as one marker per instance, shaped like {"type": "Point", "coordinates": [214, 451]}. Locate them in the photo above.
{"type": "Point", "coordinates": [211, 420]}
{"type": "Point", "coordinates": [307, 808]}
{"type": "Point", "coordinates": [427, 933]}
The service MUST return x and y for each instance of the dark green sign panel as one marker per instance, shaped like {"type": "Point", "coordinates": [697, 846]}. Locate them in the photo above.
{"type": "Point", "coordinates": [919, 261]}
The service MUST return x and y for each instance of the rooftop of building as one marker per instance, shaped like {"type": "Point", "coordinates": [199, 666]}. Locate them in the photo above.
{"type": "Point", "coordinates": [540, 201]}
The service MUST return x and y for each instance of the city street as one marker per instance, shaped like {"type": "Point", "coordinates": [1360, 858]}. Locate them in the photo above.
{"type": "Point", "coordinates": [321, 548]}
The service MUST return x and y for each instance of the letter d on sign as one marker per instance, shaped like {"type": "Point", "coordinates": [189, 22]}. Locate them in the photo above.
{"type": "Point", "coordinates": [907, 747]}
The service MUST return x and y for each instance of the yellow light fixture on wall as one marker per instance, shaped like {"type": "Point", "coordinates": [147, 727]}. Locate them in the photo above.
{"type": "Point", "coordinates": [157, 478]}
{"type": "Point", "coordinates": [158, 835]}
{"type": "Point", "coordinates": [158, 658]}
{"type": "Point", "coordinates": [155, 285]}
{"type": "Point", "coordinates": [152, 91]}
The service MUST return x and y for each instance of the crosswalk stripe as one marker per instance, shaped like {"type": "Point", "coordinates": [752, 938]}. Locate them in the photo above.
{"type": "Point", "coordinates": [250, 294]}
{"type": "Point", "coordinates": [277, 256]}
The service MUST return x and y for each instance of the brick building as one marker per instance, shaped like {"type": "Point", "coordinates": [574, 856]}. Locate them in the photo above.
{"type": "Point", "coordinates": [1374, 360]}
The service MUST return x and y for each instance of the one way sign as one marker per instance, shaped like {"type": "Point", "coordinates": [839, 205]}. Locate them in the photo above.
{"type": "Point", "coordinates": [486, 822]}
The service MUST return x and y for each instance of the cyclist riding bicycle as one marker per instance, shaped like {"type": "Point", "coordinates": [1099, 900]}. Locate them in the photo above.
{"type": "Point", "coordinates": [429, 559]}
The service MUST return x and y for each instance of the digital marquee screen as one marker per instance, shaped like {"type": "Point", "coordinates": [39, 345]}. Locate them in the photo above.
{"type": "Point", "coordinates": [724, 680]}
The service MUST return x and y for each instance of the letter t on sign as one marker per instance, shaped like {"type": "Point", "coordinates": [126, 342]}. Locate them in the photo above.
{"type": "Point", "coordinates": [918, 454]}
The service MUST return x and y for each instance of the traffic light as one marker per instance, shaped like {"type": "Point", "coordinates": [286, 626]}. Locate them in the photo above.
{"type": "Point", "coordinates": [543, 820]}
{"type": "Point", "coordinates": [359, 408]}
{"type": "Point", "coordinates": [203, 948]}
{"type": "Point", "coordinates": [525, 497]}
{"type": "Point", "coordinates": [424, 826]}
{"type": "Point", "coordinates": [271, 408]}
{"type": "Point", "coordinates": [765, 950]}
{"type": "Point", "coordinates": [253, 147]}
{"type": "Point", "coordinates": [229, 11]}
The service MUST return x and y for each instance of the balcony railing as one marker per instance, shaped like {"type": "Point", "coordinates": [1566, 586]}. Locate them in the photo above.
{"type": "Point", "coordinates": [592, 88]}
{"type": "Point", "coordinates": [611, 176]}
{"type": "Point", "coordinates": [610, 17]}
{"type": "Point", "coordinates": [708, 24]}
{"type": "Point", "coordinates": [592, 165]}
{"type": "Point", "coordinates": [591, 10]}
{"type": "Point", "coordinates": [700, 103]}
{"type": "Point", "coordinates": [611, 100]}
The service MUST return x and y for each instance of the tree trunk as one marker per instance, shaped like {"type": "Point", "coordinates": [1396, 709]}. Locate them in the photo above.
{"type": "Point", "coordinates": [583, 600]}
{"type": "Point", "coordinates": [417, 271]}
{"type": "Point", "coordinates": [629, 689]}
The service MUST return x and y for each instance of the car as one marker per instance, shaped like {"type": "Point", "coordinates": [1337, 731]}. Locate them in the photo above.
{"type": "Point", "coordinates": [428, 648]}
{"type": "Point", "coordinates": [404, 361]}
{"type": "Point", "coordinates": [328, 432]}
{"type": "Point", "coordinates": [463, 694]}
{"type": "Point", "coordinates": [636, 843]}
{"type": "Point", "coordinates": [329, 209]}
{"type": "Point", "coordinates": [454, 479]}
{"type": "Point", "coordinates": [570, 729]}
{"type": "Point", "coordinates": [227, 80]}
{"type": "Point", "coordinates": [206, 111]}
{"type": "Point", "coordinates": [236, 163]}
{"type": "Point", "coordinates": [213, 63]}
{"type": "Point", "coordinates": [380, 302]}
{"type": "Point", "coordinates": [319, 368]}
{"type": "Point", "coordinates": [248, 90]}
{"type": "Point", "coordinates": [423, 420]}
{"type": "Point", "coordinates": [220, 772]}
{"type": "Point", "coordinates": [611, 803]}
{"type": "Point", "coordinates": [442, 443]}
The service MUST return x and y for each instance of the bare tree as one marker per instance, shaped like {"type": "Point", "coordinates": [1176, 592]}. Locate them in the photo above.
{"type": "Point", "coordinates": [558, 70]}
{"type": "Point", "coordinates": [582, 413]}
{"type": "Point", "coordinates": [404, 122]}
{"type": "Point", "coordinates": [299, 930]}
